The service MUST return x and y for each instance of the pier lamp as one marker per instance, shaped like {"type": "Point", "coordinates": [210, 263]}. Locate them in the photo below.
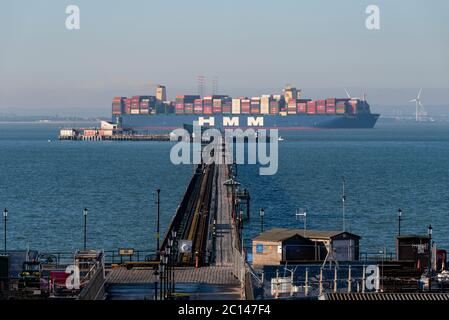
{"type": "Point", "coordinates": [161, 277]}
{"type": "Point", "coordinates": [156, 280]}
{"type": "Point", "coordinates": [174, 259]}
{"type": "Point", "coordinates": [429, 267]}
{"type": "Point", "coordinates": [168, 253]}
{"type": "Point", "coordinates": [158, 221]}
{"type": "Point", "coordinates": [5, 217]}
{"type": "Point", "coordinates": [85, 211]}
{"type": "Point", "coordinates": [241, 228]}
{"type": "Point", "coordinates": [165, 264]}
{"type": "Point", "coordinates": [262, 214]}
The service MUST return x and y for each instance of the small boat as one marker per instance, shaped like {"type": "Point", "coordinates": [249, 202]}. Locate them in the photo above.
{"type": "Point", "coordinates": [280, 139]}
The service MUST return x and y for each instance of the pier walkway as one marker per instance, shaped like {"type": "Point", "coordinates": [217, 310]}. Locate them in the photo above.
{"type": "Point", "coordinates": [204, 217]}
{"type": "Point", "coordinates": [225, 228]}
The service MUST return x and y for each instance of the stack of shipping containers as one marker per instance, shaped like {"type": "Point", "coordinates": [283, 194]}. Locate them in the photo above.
{"type": "Point", "coordinates": [184, 104]}
{"type": "Point", "coordinates": [311, 107]}
{"type": "Point", "coordinates": [282, 104]}
{"type": "Point", "coordinates": [291, 106]}
{"type": "Point", "coordinates": [188, 108]}
{"type": "Point", "coordinates": [274, 106]}
{"type": "Point", "coordinates": [127, 106]}
{"type": "Point", "coordinates": [227, 105]}
{"type": "Point", "coordinates": [135, 105]}
{"type": "Point", "coordinates": [236, 106]}
{"type": "Point", "coordinates": [198, 106]}
{"type": "Point", "coordinates": [118, 105]}
{"type": "Point", "coordinates": [147, 104]}
{"type": "Point", "coordinates": [330, 105]}
{"type": "Point", "coordinates": [179, 105]}
{"type": "Point", "coordinates": [265, 104]}
{"type": "Point", "coordinates": [207, 105]}
{"type": "Point", "coordinates": [302, 105]}
{"type": "Point", "coordinates": [245, 106]}
{"type": "Point", "coordinates": [217, 105]}
{"type": "Point", "coordinates": [144, 105]}
{"type": "Point", "coordinates": [255, 105]}
{"type": "Point", "coordinates": [340, 106]}
{"type": "Point", "coordinates": [321, 106]}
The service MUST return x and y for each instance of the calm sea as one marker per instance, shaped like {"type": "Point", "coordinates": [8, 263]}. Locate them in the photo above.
{"type": "Point", "coordinates": [45, 185]}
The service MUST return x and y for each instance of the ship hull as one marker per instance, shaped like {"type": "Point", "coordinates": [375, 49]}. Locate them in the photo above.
{"type": "Point", "coordinates": [288, 122]}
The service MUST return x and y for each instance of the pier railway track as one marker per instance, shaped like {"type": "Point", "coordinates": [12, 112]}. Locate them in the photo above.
{"type": "Point", "coordinates": [192, 219]}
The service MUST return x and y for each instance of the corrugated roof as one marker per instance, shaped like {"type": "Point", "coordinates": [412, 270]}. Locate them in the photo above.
{"type": "Point", "coordinates": [280, 234]}
{"type": "Point", "coordinates": [385, 296]}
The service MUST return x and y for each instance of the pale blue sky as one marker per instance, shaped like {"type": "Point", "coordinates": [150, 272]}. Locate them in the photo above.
{"type": "Point", "coordinates": [253, 46]}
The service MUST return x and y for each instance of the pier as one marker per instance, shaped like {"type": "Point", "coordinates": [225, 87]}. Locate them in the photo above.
{"type": "Point", "coordinates": [206, 221]}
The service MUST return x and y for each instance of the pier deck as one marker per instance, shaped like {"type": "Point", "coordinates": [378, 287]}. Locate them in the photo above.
{"type": "Point", "coordinates": [225, 228]}
{"type": "Point", "coordinates": [207, 275]}
{"type": "Point", "coordinates": [220, 264]}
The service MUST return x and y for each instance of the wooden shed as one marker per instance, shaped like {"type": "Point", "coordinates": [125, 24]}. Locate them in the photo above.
{"type": "Point", "coordinates": [279, 245]}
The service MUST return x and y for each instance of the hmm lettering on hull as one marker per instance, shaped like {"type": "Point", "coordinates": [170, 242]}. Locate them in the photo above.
{"type": "Point", "coordinates": [232, 121]}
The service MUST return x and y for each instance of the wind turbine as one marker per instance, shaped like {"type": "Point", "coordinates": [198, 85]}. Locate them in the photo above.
{"type": "Point", "coordinates": [420, 111]}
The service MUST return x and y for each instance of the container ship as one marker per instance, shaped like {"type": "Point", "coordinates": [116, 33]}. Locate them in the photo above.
{"type": "Point", "coordinates": [286, 111]}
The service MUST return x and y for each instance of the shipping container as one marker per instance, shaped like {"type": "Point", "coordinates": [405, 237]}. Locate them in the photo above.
{"type": "Point", "coordinates": [255, 105]}
{"type": "Point", "coordinates": [330, 110]}
{"type": "Point", "coordinates": [188, 108]}
{"type": "Point", "coordinates": [207, 109]}
{"type": "Point", "coordinates": [321, 109]}
{"type": "Point", "coordinates": [236, 106]}
{"type": "Point", "coordinates": [245, 106]}
{"type": "Point", "coordinates": [340, 108]}
{"type": "Point", "coordinates": [274, 107]}
{"type": "Point", "coordinates": [330, 102]}
{"type": "Point", "coordinates": [311, 107]}
{"type": "Point", "coordinates": [198, 106]}
{"type": "Point", "coordinates": [227, 106]}
{"type": "Point", "coordinates": [217, 103]}
{"type": "Point", "coordinates": [179, 108]}
{"type": "Point", "coordinates": [302, 107]}
{"type": "Point", "coordinates": [265, 104]}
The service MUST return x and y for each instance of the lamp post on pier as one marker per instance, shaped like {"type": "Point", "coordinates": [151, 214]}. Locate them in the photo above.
{"type": "Point", "coordinates": [166, 272]}
{"type": "Point", "coordinates": [158, 203]}
{"type": "Point", "coordinates": [161, 277]}
{"type": "Point", "coordinates": [168, 253]}
{"type": "Point", "coordinates": [5, 217]}
{"type": "Point", "coordinates": [174, 259]}
{"type": "Point", "coordinates": [429, 266]}
{"type": "Point", "coordinates": [85, 211]}
{"type": "Point", "coordinates": [241, 229]}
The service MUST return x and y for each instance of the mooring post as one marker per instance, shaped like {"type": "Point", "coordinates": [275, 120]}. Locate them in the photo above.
{"type": "Point", "coordinates": [335, 279]}
{"type": "Point", "coordinates": [277, 285]}
{"type": "Point", "coordinates": [306, 288]}
{"type": "Point", "coordinates": [363, 279]}
{"type": "Point", "coordinates": [291, 285]}
{"type": "Point", "coordinates": [349, 279]}
{"type": "Point", "coordinates": [321, 281]}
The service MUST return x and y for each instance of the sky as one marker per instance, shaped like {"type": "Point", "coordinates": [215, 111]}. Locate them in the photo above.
{"type": "Point", "coordinates": [254, 47]}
